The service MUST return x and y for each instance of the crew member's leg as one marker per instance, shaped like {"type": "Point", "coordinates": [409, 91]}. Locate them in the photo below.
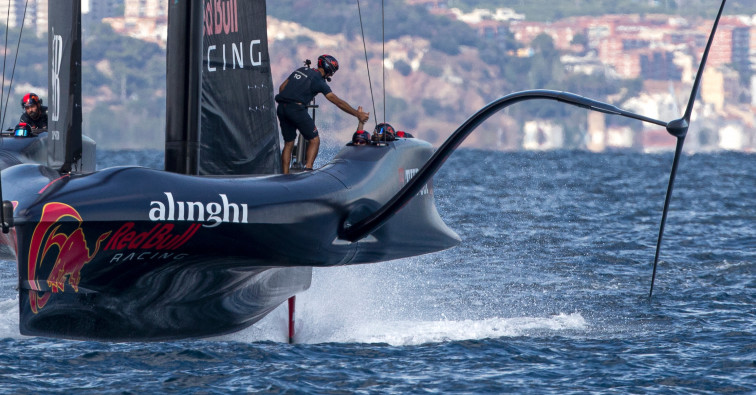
{"type": "Point", "coordinates": [307, 127]}
{"type": "Point", "coordinates": [312, 152]}
{"type": "Point", "coordinates": [289, 132]}
{"type": "Point", "coordinates": [286, 155]}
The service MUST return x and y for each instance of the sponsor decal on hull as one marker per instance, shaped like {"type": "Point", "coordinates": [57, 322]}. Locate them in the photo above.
{"type": "Point", "coordinates": [405, 175]}
{"type": "Point", "coordinates": [158, 243]}
{"type": "Point", "coordinates": [213, 213]}
{"type": "Point", "coordinates": [70, 249]}
{"type": "Point", "coordinates": [160, 237]}
{"type": "Point", "coordinates": [146, 256]}
{"type": "Point", "coordinates": [54, 239]}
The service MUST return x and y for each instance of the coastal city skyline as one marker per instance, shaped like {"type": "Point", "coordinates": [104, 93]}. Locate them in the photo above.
{"type": "Point", "coordinates": [661, 50]}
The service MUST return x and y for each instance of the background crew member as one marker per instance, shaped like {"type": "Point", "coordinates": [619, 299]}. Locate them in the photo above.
{"type": "Point", "coordinates": [35, 115]}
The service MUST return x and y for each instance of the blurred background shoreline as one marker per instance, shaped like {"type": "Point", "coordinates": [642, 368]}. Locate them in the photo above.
{"type": "Point", "coordinates": [638, 55]}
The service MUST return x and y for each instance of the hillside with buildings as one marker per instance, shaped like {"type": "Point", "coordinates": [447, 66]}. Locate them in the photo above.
{"type": "Point", "coordinates": [436, 76]}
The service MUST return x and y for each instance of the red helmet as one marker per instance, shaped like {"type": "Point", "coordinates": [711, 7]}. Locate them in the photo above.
{"type": "Point", "coordinates": [29, 99]}
{"type": "Point", "coordinates": [360, 137]}
{"type": "Point", "coordinates": [328, 63]}
{"type": "Point", "coordinates": [384, 131]}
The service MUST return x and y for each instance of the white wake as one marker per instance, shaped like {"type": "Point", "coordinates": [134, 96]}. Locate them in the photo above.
{"type": "Point", "coordinates": [359, 305]}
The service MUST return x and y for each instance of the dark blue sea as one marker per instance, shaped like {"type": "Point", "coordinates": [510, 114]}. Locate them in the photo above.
{"type": "Point", "coordinates": [547, 293]}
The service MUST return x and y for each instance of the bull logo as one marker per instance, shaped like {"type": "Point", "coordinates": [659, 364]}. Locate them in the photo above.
{"type": "Point", "coordinates": [72, 253]}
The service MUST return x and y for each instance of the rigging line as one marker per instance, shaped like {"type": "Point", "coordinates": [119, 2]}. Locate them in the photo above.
{"type": "Point", "coordinates": [5, 55]}
{"type": "Point", "coordinates": [15, 60]}
{"type": "Point", "coordinates": [3, 223]}
{"type": "Point", "coordinates": [383, 60]}
{"type": "Point", "coordinates": [367, 65]}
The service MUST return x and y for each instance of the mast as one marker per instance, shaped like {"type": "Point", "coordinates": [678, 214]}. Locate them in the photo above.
{"type": "Point", "coordinates": [64, 79]}
{"type": "Point", "coordinates": [183, 75]}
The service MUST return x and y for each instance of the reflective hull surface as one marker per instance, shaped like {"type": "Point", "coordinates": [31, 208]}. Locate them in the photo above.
{"type": "Point", "coordinates": [131, 253]}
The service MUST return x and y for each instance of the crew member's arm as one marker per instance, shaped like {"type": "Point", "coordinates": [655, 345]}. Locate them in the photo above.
{"type": "Point", "coordinates": [283, 85]}
{"type": "Point", "coordinates": [361, 115]}
{"type": "Point", "coordinates": [360, 123]}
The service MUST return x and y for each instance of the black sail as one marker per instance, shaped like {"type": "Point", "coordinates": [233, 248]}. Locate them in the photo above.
{"type": "Point", "coordinates": [64, 80]}
{"type": "Point", "coordinates": [239, 131]}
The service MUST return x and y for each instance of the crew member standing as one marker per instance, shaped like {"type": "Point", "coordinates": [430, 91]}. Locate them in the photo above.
{"type": "Point", "coordinates": [35, 115]}
{"type": "Point", "coordinates": [293, 96]}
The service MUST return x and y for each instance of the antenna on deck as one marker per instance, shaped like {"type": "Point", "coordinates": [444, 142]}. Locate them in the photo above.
{"type": "Point", "coordinates": [679, 129]}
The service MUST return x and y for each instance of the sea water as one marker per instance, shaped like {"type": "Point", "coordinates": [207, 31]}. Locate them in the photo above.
{"type": "Point", "coordinates": [547, 293]}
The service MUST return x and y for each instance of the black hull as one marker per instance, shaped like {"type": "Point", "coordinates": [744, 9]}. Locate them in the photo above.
{"type": "Point", "coordinates": [137, 254]}
{"type": "Point", "coordinates": [172, 303]}
{"type": "Point", "coordinates": [18, 150]}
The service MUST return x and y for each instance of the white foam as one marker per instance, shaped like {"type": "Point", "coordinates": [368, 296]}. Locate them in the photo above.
{"type": "Point", "coordinates": [401, 333]}
{"type": "Point", "coordinates": [9, 318]}
{"type": "Point", "coordinates": [357, 305]}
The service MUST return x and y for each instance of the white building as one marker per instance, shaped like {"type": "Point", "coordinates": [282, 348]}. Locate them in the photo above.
{"type": "Point", "coordinates": [145, 8]}
{"type": "Point", "coordinates": [96, 10]}
{"type": "Point", "coordinates": [35, 11]}
{"type": "Point", "coordinates": [542, 135]}
{"type": "Point", "coordinates": [732, 137]}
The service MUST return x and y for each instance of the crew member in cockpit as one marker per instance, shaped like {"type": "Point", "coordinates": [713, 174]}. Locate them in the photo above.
{"type": "Point", "coordinates": [293, 96]}
{"type": "Point", "coordinates": [384, 132]}
{"type": "Point", "coordinates": [360, 136]}
{"type": "Point", "coordinates": [35, 114]}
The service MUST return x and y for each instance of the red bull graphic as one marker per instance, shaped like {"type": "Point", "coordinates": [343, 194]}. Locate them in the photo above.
{"type": "Point", "coordinates": [157, 244]}
{"type": "Point", "coordinates": [221, 17]}
{"type": "Point", "coordinates": [161, 237]}
{"type": "Point", "coordinates": [226, 48]}
{"type": "Point", "coordinates": [72, 253]}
